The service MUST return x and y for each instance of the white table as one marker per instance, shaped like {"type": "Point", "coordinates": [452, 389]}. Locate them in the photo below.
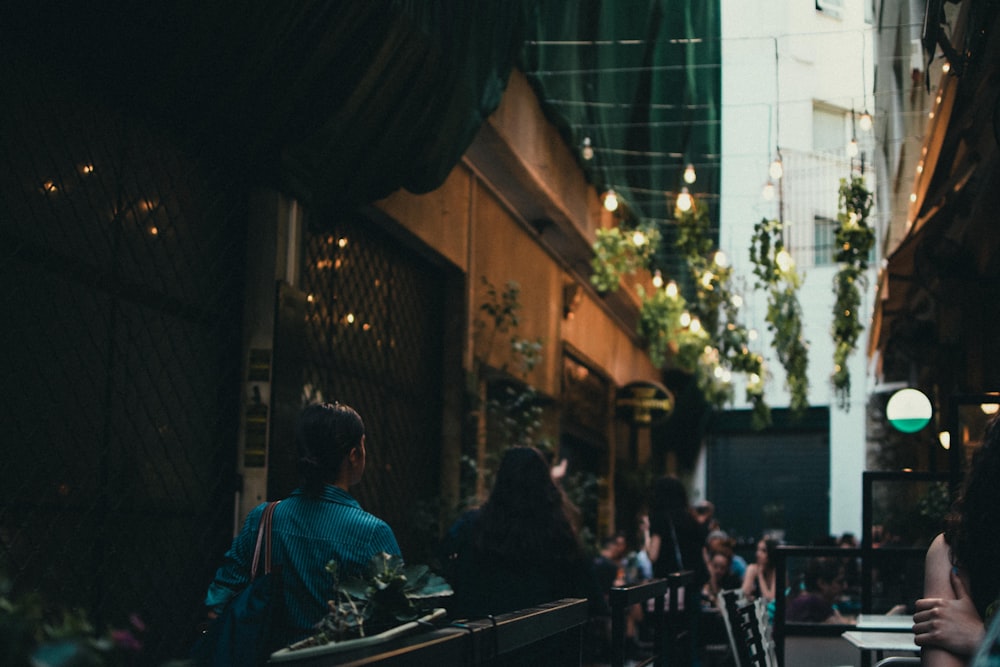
{"type": "Point", "coordinates": [891, 622]}
{"type": "Point", "coordinates": [881, 641]}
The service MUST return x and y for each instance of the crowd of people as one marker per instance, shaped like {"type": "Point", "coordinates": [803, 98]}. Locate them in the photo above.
{"type": "Point", "coordinates": [521, 548]}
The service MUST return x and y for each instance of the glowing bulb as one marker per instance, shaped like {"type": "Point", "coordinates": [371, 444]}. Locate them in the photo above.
{"type": "Point", "coordinates": [720, 259]}
{"type": "Point", "coordinates": [611, 201]}
{"type": "Point", "coordinates": [684, 200]}
{"type": "Point", "coordinates": [689, 175]}
{"type": "Point", "coordinates": [989, 408]}
{"type": "Point", "coordinates": [946, 67]}
{"type": "Point", "coordinates": [944, 437]}
{"type": "Point", "coordinates": [638, 238]}
{"type": "Point", "coordinates": [586, 150]}
{"type": "Point", "coordinates": [852, 148]}
{"type": "Point", "coordinates": [913, 197]}
{"type": "Point", "coordinates": [685, 319]}
{"type": "Point", "coordinates": [783, 260]}
{"type": "Point", "coordinates": [752, 334]}
{"type": "Point", "coordinates": [342, 242]}
{"type": "Point", "coordinates": [776, 170]}
{"type": "Point", "coordinates": [695, 325]}
{"type": "Point", "coordinates": [657, 279]}
{"type": "Point", "coordinates": [672, 290]}
{"type": "Point", "coordinates": [865, 122]}
{"type": "Point", "coordinates": [707, 278]}
{"type": "Point", "coordinates": [754, 378]}
{"type": "Point", "coordinates": [717, 372]}
{"type": "Point", "coordinates": [768, 193]}
{"type": "Point", "coordinates": [736, 300]}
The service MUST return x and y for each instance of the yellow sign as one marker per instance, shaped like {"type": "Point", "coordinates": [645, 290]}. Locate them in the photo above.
{"type": "Point", "coordinates": [644, 403]}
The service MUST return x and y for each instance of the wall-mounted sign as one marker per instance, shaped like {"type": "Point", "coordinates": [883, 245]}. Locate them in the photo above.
{"type": "Point", "coordinates": [908, 410]}
{"type": "Point", "coordinates": [644, 403]}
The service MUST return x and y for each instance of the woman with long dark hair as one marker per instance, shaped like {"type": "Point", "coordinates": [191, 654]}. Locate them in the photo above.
{"type": "Point", "coordinates": [961, 575]}
{"type": "Point", "coordinates": [519, 549]}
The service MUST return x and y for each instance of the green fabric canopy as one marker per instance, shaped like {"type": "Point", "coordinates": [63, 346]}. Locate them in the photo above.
{"type": "Point", "coordinates": [345, 102]}
{"type": "Point", "coordinates": [641, 80]}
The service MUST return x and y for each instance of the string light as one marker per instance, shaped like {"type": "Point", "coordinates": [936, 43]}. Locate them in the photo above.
{"type": "Point", "coordinates": [638, 238]}
{"type": "Point", "coordinates": [586, 149]}
{"type": "Point", "coordinates": [865, 121]}
{"type": "Point", "coordinates": [689, 174]}
{"type": "Point", "coordinates": [776, 170]}
{"type": "Point", "coordinates": [657, 279]}
{"type": "Point", "coordinates": [684, 200]}
{"type": "Point", "coordinates": [852, 147]}
{"type": "Point", "coordinates": [768, 192]}
{"type": "Point", "coordinates": [611, 201]}
{"type": "Point", "coordinates": [672, 289]}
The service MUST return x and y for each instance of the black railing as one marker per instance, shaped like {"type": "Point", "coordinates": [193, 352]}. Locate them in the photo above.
{"type": "Point", "coordinates": [670, 618]}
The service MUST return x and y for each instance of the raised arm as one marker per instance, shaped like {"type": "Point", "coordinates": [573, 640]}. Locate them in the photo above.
{"type": "Point", "coordinates": [945, 625]}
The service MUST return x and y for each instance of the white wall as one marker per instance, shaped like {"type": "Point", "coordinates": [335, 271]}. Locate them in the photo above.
{"type": "Point", "coordinates": [768, 102]}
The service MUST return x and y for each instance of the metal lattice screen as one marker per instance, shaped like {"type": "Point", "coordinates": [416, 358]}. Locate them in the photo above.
{"type": "Point", "coordinates": [121, 264]}
{"type": "Point", "coordinates": [374, 321]}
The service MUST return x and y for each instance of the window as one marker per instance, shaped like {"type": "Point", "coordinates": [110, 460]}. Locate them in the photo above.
{"type": "Point", "coordinates": [830, 129]}
{"type": "Point", "coordinates": [832, 8]}
{"type": "Point", "coordinates": [824, 240]}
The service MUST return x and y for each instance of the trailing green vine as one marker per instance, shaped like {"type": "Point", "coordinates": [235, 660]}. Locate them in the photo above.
{"type": "Point", "coordinates": [775, 271]}
{"type": "Point", "coordinates": [855, 239]}
{"type": "Point", "coordinates": [703, 337]}
{"type": "Point", "coordinates": [619, 252]}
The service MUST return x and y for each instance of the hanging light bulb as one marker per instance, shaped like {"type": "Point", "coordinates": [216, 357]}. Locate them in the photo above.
{"type": "Point", "coordinates": [865, 122]}
{"type": "Point", "coordinates": [768, 192]}
{"type": "Point", "coordinates": [695, 325]}
{"type": "Point", "coordinates": [783, 260]}
{"type": "Point", "coordinates": [689, 175]}
{"type": "Point", "coordinates": [685, 319]}
{"type": "Point", "coordinates": [684, 200]}
{"type": "Point", "coordinates": [720, 259]}
{"type": "Point", "coordinates": [586, 149]}
{"type": "Point", "coordinates": [776, 170]}
{"type": "Point", "coordinates": [611, 200]}
{"type": "Point", "coordinates": [657, 279]}
{"type": "Point", "coordinates": [852, 147]}
{"type": "Point", "coordinates": [638, 238]}
{"type": "Point", "coordinates": [672, 289]}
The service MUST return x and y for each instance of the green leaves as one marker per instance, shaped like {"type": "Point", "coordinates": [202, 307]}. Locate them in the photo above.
{"type": "Point", "coordinates": [775, 272]}
{"type": "Point", "coordinates": [620, 252]}
{"type": "Point", "coordinates": [855, 239]}
{"type": "Point", "coordinates": [390, 593]}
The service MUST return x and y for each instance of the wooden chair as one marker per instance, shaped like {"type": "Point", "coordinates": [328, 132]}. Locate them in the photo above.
{"type": "Point", "coordinates": [728, 602]}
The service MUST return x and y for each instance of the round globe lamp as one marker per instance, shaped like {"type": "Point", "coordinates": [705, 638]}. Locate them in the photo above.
{"type": "Point", "coordinates": [908, 410]}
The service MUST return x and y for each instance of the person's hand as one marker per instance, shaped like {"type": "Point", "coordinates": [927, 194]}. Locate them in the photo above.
{"type": "Point", "coordinates": [953, 625]}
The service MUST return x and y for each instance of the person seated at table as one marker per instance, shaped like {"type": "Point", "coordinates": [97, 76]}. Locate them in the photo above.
{"type": "Point", "coordinates": [720, 576]}
{"type": "Point", "coordinates": [824, 584]}
{"type": "Point", "coordinates": [759, 580]}
{"type": "Point", "coordinates": [719, 539]}
{"type": "Point", "coordinates": [961, 577]}
{"type": "Point", "coordinates": [519, 549]}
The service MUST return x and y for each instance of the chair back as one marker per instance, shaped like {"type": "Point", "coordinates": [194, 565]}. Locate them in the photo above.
{"type": "Point", "coordinates": [752, 635]}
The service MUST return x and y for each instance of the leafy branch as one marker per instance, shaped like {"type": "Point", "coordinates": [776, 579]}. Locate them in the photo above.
{"type": "Point", "coordinates": [855, 239]}
{"type": "Point", "coordinates": [775, 271]}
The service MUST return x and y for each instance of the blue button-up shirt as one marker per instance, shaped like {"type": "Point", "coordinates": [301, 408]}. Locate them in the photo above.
{"type": "Point", "coordinates": [306, 533]}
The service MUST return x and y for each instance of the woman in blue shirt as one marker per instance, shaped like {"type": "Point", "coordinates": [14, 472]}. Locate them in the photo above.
{"type": "Point", "coordinates": [317, 523]}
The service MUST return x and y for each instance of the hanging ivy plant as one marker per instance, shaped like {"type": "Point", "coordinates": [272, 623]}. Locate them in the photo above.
{"type": "Point", "coordinates": [855, 238]}
{"type": "Point", "coordinates": [775, 272]}
{"type": "Point", "coordinates": [619, 252]}
{"type": "Point", "coordinates": [702, 337]}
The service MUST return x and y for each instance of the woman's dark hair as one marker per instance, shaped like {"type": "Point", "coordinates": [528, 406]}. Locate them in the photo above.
{"type": "Point", "coordinates": [822, 569]}
{"type": "Point", "coordinates": [771, 547]}
{"type": "Point", "coordinates": [524, 519]}
{"type": "Point", "coordinates": [971, 528]}
{"type": "Point", "coordinates": [670, 499]}
{"type": "Point", "coordinates": [324, 435]}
